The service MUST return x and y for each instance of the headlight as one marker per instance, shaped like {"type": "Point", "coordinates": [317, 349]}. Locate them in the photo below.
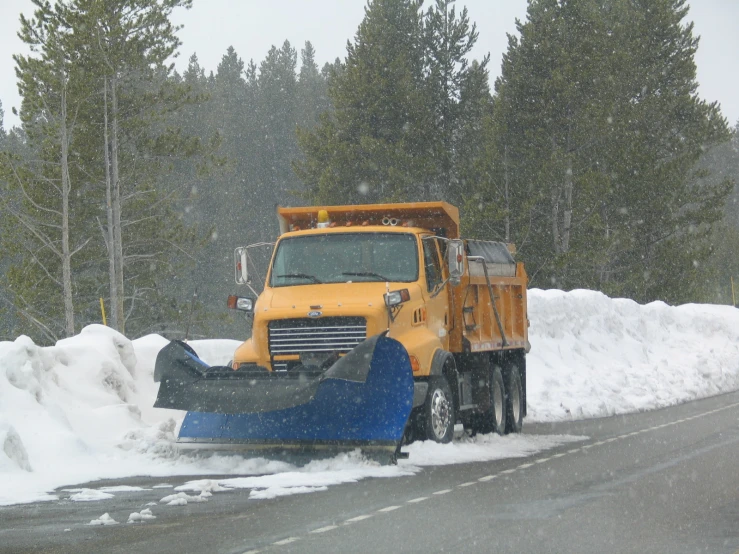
{"type": "Point", "coordinates": [397, 297]}
{"type": "Point", "coordinates": [241, 303]}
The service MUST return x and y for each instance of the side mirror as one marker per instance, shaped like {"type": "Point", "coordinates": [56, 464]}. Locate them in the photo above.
{"type": "Point", "coordinates": [455, 259]}
{"type": "Point", "coordinates": [242, 277]}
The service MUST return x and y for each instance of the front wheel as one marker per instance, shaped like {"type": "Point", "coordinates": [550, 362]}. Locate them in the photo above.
{"type": "Point", "coordinates": [438, 411]}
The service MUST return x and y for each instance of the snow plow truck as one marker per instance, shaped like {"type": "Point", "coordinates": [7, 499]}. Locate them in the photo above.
{"type": "Point", "coordinates": [377, 325]}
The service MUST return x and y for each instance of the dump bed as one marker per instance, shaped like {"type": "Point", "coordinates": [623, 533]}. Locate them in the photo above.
{"type": "Point", "coordinates": [498, 259]}
{"type": "Point", "coordinates": [501, 324]}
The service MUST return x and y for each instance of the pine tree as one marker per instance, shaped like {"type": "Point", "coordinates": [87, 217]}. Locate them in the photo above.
{"type": "Point", "coordinates": [312, 90]}
{"type": "Point", "coordinates": [458, 91]}
{"type": "Point", "coordinates": [254, 109]}
{"type": "Point", "coordinates": [133, 41]}
{"type": "Point", "coordinates": [41, 203]}
{"type": "Point", "coordinates": [3, 134]}
{"type": "Point", "coordinates": [119, 97]}
{"type": "Point", "coordinates": [277, 108]}
{"type": "Point", "coordinates": [194, 117]}
{"type": "Point", "coordinates": [469, 147]}
{"type": "Point", "coordinates": [666, 128]}
{"type": "Point", "coordinates": [232, 110]}
{"type": "Point", "coordinates": [376, 143]}
{"type": "Point", "coordinates": [599, 128]}
{"type": "Point", "coordinates": [717, 165]}
{"type": "Point", "coordinates": [408, 107]}
{"type": "Point", "coordinates": [725, 163]}
{"type": "Point", "coordinates": [218, 202]}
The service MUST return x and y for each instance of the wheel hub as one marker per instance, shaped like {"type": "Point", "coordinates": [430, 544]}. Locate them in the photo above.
{"type": "Point", "coordinates": [498, 404]}
{"type": "Point", "coordinates": [440, 413]}
{"type": "Point", "coordinates": [515, 403]}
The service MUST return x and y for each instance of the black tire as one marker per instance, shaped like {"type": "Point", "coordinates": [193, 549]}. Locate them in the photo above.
{"type": "Point", "coordinates": [513, 400]}
{"type": "Point", "coordinates": [496, 415]}
{"type": "Point", "coordinates": [493, 418]}
{"type": "Point", "coordinates": [438, 415]}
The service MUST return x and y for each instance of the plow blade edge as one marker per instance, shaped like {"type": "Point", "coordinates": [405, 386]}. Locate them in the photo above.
{"type": "Point", "coordinates": [364, 400]}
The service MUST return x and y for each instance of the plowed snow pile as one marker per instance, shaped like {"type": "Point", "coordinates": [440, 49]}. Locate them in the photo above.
{"type": "Point", "coordinates": [81, 410]}
{"type": "Point", "coordinates": [594, 356]}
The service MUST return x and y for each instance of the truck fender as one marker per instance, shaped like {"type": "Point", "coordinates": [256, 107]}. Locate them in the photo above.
{"type": "Point", "coordinates": [438, 360]}
{"type": "Point", "coordinates": [246, 352]}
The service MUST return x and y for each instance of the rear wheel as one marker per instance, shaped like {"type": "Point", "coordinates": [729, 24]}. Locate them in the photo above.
{"type": "Point", "coordinates": [493, 418]}
{"type": "Point", "coordinates": [438, 412]}
{"type": "Point", "coordinates": [514, 401]}
{"type": "Point", "coordinates": [497, 393]}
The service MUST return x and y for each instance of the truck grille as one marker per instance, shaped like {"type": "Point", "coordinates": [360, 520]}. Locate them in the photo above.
{"type": "Point", "coordinates": [326, 334]}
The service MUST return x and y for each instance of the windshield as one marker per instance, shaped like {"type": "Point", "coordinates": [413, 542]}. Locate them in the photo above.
{"type": "Point", "coordinates": [345, 257]}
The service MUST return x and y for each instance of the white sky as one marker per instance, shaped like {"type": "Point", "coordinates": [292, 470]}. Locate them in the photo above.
{"type": "Point", "coordinates": [252, 26]}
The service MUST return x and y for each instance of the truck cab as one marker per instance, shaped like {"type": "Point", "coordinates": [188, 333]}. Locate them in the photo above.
{"type": "Point", "coordinates": [327, 290]}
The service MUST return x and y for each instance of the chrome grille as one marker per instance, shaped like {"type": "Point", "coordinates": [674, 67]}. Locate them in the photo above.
{"type": "Point", "coordinates": [326, 334]}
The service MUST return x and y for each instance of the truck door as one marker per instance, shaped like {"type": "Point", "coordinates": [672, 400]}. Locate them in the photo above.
{"type": "Point", "coordinates": [437, 312]}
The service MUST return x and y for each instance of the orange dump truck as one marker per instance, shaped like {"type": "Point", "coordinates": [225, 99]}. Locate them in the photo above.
{"type": "Point", "coordinates": [386, 294]}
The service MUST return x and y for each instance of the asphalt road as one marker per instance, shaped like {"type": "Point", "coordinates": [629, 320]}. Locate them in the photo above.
{"type": "Point", "coordinates": [661, 481]}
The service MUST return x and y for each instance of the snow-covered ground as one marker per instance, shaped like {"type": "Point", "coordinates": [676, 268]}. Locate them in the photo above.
{"type": "Point", "coordinates": [82, 410]}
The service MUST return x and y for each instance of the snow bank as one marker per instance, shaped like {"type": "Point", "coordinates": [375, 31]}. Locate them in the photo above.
{"type": "Point", "coordinates": [594, 356]}
{"type": "Point", "coordinates": [82, 410]}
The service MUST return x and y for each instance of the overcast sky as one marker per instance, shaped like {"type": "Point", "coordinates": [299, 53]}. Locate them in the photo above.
{"type": "Point", "coordinates": [252, 26]}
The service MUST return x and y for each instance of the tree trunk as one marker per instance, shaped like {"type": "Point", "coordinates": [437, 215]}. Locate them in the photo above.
{"type": "Point", "coordinates": [109, 238]}
{"type": "Point", "coordinates": [555, 219]}
{"type": "Point", "coordinates": [117, 235]}
{"type": "Point", "coordinates": [66, 190]}
{"type": "Point", "coordinates": [507, 198]}
{"type": "Point", "coordinates": [567, 216]}
{"type": "Point", "coordinates": [555, 207]}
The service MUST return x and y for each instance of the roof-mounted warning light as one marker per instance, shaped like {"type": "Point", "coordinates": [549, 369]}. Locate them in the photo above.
{"type": "Point", "coordinates": [323, 220]}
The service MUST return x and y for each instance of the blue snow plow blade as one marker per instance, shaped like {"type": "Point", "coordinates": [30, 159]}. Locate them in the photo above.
{"type": "Point", "coordinates": [363, 400]}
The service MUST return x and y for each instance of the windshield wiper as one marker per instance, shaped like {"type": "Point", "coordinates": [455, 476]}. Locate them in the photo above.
{"type": "Point", "coordinates": [300, 276]}
{"type": "Point", "coordinates": [366, 274]}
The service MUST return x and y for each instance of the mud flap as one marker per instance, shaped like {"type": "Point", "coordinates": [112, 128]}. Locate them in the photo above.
{"type": "Point", "coordinates": [364, 400]}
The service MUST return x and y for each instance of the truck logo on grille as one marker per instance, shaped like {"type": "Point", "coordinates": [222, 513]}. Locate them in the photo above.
{"type": "Point", "coordinates": [315, 314]}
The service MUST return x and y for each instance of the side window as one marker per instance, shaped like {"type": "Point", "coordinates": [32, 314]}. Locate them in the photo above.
{"type": "Point", "coordinates": [431, 263]}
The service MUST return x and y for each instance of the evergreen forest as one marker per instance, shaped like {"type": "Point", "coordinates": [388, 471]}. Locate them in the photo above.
{"type": "Point", "coordinates": [127, 184]}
